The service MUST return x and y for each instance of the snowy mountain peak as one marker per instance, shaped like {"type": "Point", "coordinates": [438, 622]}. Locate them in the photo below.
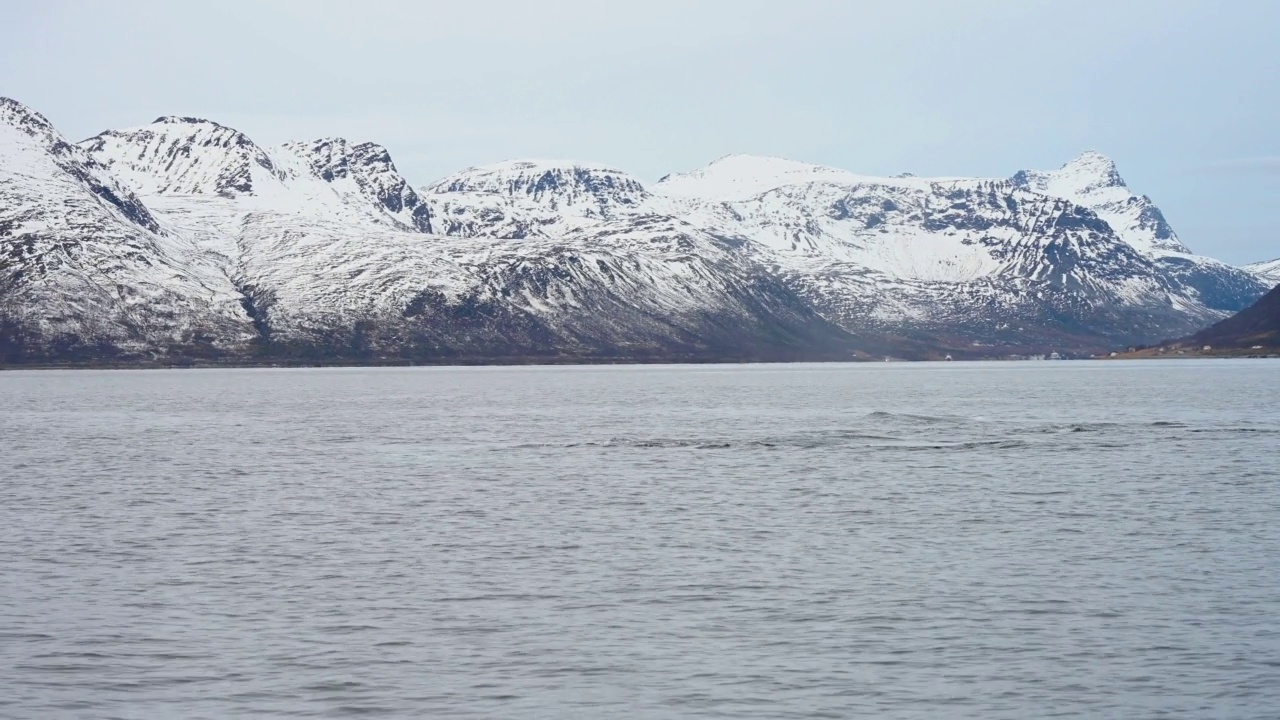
{"type": "Point", "coordinates": [1091, 157]}
{"type": "Point", "coordinates": [590, 189]}
{"type": "Point", "coordinates": [184, 156]}
{"type": "Point", "coordinates": [363, 173]}
{"type": "Point", "coordinates": [336, 157]}
{"type": "Point", "coordinates": [1093, 181]}
{"type": "Point", "coordinates": [35, 155]}
{"type": "Point", "coordinates": [1091, 170]}
{"type": "Point", "coordinates": [20, 117]}
{"type": "Point", "coordinates": [183, 120]}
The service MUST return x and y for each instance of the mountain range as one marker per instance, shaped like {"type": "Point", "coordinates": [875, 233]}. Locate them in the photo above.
{"type": "Point", "coordinates": [184, 239]}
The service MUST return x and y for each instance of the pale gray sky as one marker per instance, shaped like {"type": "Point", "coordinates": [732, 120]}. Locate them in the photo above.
{"type": "Point", "coordinates": [1182, 94]}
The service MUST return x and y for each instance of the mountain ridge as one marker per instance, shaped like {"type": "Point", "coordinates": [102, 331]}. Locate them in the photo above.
{"type": "Point", "coordinates": [322, 249]}
{"type": "Point", "coordinates": [1269, 269]}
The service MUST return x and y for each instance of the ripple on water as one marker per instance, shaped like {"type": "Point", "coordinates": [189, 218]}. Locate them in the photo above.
{"type": "Point", "coordinates": [740, 542]}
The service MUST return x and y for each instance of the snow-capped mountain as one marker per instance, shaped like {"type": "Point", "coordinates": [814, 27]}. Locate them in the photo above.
{"type": "Point", "coordinates": [86, 269]}
{"type": "Point", "coordinates": [363, 175]}
{"type": "Point", "coordinates": [566, 188]}
{"type": "Point", "coordinates": [527, 198]}
{"type": "Point", "coordinates": [186, 237]}
{"type": "Point", "coordinates": [1092, 181]}
{"type": "Point", "coordinates": [332, 253]}
{"type": "Point", "coordinates": [210, 163]}
{"type": "Point", "coordinates": [1269, 270]}
{"type": "Point", "coordinates": [184, 156]}
{"type": "Point", "coordinates": [989, 259]}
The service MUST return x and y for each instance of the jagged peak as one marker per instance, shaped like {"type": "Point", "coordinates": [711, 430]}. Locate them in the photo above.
{"type": "Point", "coordinates": [18, 115]}
{"type": "Point", "coordinates": [331, 157]}
{"type": "Point", "coordinates": [324, 142]}
{"type": "Point", "coordinates": [1095, 165]}
{"type": "Point", "coordinates": [1088, 172]}
{"type": "Point", "coordinates": [326, 147]}
{"type": "Point", "coordinates": [14, 109]}
{"type": "Point", "coordinates": [46, 142]}
{"type": "Point", "coordinates": [340, 146]}
{"type": "Point", "coordinates": [1091, 156]}
{"type": "Point", "coordinates": [360, 173]}
{"type": "Point", "coordinates": [1092, 180]}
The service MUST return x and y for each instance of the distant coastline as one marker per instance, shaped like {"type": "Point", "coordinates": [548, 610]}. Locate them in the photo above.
{"type": "Point", "coordinates": [1197, 354]}
{"type": "Point", "coordinates": [1144, 354]}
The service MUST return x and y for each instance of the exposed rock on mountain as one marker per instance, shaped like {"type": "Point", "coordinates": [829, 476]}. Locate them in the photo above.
{"type": "Point", "coordinates": [364, 174]}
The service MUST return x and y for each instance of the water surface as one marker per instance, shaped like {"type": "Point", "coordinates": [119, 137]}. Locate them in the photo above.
{"type": "Point", "coordinates": [1003, 540]}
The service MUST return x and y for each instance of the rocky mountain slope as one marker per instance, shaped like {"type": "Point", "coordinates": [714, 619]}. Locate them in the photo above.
{"type": "Point", "coordinates": [86, 269]}
{"type": "Point", "coordinates": [186, 238]}
{"type": "Point", "coordinates": [1256, 325]}
{"type": "Point", "coordinates": [1092, 181]}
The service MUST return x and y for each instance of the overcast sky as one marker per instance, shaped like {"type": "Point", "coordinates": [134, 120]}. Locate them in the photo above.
{"type": "Point", "coordinates": [1183, 95]}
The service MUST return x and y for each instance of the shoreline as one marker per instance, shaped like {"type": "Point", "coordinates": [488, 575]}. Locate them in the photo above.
{"type": "Point", "coordinates": [1182, 354]}
{"type": "Point", "coordinates": [1274, 354]}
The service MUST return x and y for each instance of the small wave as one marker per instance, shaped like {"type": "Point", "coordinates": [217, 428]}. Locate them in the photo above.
{"type": "Point", "coordinates": [697, 444]}
{"type": "Point", "coordinates": [80, 655]}
{"type": "Point", "coordinates": [1232, 430]}
{"type": "Point", "coordinates": [1072, 427]}
{"type": "Point", "coordinates": [997, 444]}
{"type": "Point", "coordinates": [866, 436]}
{"type": "Point", "coordinates": [916, 418]}
{"type": "Point", "coordinates": [855, 440]}
{"type": "Point", "coordinates": [333, 686]}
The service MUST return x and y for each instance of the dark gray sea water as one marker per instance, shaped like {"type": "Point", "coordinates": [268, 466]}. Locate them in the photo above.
{"type": "Point", "coordinates": [1004, 540]}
